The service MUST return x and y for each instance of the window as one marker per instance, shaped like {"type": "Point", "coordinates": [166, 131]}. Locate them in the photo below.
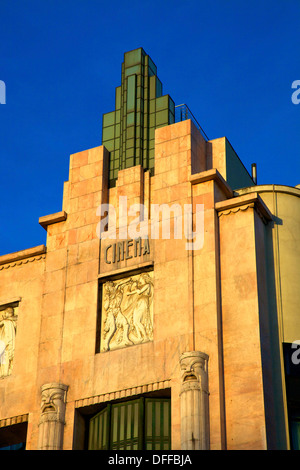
{"type": "Point", "coordinates": [142, 424]}
{"type": "Point", "coordinates": [292, 376]}
{"type": "Point", "coordinates": [295, 432]}
{"type": "Point", "coordinates": [131, 93]}
{"type": "Point", "coordinates": [14, 447]}
{"type": "Point", "coordinates": [13, 437]}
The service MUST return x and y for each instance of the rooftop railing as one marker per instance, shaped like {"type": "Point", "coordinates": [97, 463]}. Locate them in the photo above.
{"type": "Point", "coordinates": [182, 113]}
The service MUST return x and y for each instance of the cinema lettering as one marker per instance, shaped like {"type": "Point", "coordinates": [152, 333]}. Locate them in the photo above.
{"type": "Point", "coordinates": [126, 249]}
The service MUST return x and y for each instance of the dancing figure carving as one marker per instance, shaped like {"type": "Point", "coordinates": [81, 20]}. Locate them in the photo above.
{"type": "Point", "coordinates": [127, 312]}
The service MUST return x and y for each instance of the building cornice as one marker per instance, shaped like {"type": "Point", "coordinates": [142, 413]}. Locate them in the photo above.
{"type": "Point", "coordinates": [243, 203]}
{"type": "Point", "coordinates": [9, 301]}
{"type": "Point", "coordinates": [14, 420]}
{"type": "Point", "coordinates": [128, 392]}
{"type": "Point", "coordinates": [23, 256]}
{"type": "Point", "coordinates": [52, 219]}
{"type": "Point", "coordinates": [212, 175]}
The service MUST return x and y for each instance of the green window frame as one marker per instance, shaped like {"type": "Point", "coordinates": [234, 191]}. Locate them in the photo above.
{"type": "Point", "coordinates": [141, 424]}
{"type": "Point", "coordinates": [295, 433]}
{"type": "Point", "coordinates": [131, 93]}
{"type": "Point", "coordinates": [157, 424]}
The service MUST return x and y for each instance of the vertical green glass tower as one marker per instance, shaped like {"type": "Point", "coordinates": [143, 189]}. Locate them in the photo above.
{"type": "Point", "coordinates": [140, 108]}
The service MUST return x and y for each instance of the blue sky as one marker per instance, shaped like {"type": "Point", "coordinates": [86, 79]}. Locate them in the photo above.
{"type": "Point", "coordinates": [232, 61]}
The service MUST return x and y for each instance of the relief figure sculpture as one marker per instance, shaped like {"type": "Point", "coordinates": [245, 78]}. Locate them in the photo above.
{"type": "Point", "coordinates": [141, 319]}
{"type": "Point", "coordinates": [116, 322]}
{"type": "Point", "coordinates": [127, 312]}
{"type": "Point", "coordinates": [8, 326]}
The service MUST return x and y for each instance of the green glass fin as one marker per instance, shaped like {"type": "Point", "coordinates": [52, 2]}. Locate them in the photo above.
{"type": "Point", "coordinates": [140, 107]}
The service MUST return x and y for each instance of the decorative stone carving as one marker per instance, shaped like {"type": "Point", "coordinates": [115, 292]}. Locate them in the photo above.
{"type": "Point", "coordinates": [127, 312]}
{"type": "Point", "coordinates": [8, 327]}
{"type": "Point", "coordinates": [52, 419]}
{"type": "Point", "coordinates": [194, 401]}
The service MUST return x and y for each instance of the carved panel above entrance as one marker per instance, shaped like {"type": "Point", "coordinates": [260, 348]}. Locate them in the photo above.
{"type": "Point", "coordinates": [127, 311]}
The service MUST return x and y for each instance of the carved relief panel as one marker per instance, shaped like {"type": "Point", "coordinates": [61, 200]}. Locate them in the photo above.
{"type": "Point", "coordinates": [8, 328]}
{"type": "Point", "coordinates": [127, 311]}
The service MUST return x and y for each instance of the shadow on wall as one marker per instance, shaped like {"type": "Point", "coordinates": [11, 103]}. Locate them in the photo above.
{"type": "Point", "coordinates": [271, 356]}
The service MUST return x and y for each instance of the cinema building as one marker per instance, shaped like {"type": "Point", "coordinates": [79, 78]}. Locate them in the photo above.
{"type": "Point", "coordinates": [162, 313]}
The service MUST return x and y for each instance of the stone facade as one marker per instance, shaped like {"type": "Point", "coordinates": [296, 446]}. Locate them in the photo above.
{"type": "Point", "coordinates": [95, 317]}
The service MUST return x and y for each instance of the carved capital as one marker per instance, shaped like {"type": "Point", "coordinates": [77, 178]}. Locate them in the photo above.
{"type": "Point", "coordinates": [53, 403]}
{"type": "Point", "coordinates": [52, 419]}
{"type": "Point", "coordinates": [193, 367]}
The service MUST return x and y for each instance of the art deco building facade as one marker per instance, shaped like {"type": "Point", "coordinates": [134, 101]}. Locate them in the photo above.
{"type": "Point", "coordinates": [163, 310]}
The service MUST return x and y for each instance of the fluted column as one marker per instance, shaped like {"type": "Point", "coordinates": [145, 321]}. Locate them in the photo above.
{"type": "Point", "coordinates": [194, 401]}
{"type": "Point", "coordinates": [52, 419]}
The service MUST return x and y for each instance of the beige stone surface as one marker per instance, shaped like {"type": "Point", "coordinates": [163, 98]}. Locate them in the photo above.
{"type": "Point", "coordinates": [204, 300]}
{"type": "Point", "coordinates": [243, 377]}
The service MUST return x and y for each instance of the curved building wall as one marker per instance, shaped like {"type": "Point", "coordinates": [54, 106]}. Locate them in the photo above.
{"type": "Point", "coordinates": [284, 255]}
{"type": "Point", "coordinates": [283, 279]}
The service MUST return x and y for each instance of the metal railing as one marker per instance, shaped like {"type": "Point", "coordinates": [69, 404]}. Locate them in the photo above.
{"type": "Point", "coordinates": [182, 113]}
